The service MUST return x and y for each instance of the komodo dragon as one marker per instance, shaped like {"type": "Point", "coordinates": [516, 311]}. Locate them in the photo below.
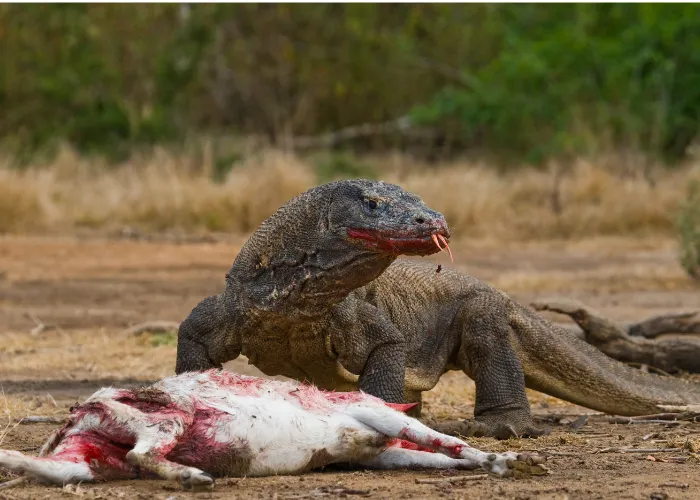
{"type": "Point", "coordinates": [317, 294]}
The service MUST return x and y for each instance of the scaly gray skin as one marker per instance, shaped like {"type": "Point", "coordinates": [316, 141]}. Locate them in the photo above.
{"type": "Point", "coordinates": [315, 294]}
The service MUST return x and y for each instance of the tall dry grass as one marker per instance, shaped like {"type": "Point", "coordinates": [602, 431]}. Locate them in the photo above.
{"type": "Point", "coordinates": [160, 193]}
{"type": "Point", "coordinates": [164, 192]}
{"type": "Point", "coordinates": [592, 201]}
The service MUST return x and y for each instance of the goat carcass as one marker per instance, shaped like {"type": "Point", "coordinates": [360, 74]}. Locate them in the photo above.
{"type": "Point", "coordinates": [197, 426]}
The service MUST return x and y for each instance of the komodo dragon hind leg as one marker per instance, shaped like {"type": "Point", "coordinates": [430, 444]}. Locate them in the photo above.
{"type": "Point", "coordinates": [501, 409]}
{"type": "Point", "coordinates": [616, 340]}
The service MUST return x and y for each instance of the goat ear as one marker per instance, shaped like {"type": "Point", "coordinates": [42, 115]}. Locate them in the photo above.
{"type": "Point", "coordinates": [404, 407]}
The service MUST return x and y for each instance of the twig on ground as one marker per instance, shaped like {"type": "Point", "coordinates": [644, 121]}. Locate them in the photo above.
{"type": "Point", "coordinates": [152, 327]}
{"type": "Point", "coordinates": [40, 419]}
{"type": "Point", "coordinates": [657, 418]}
{"type": "Point", "coordinates": [452, 479]}
{"type": "Point", "coordinates": [683, 408]}
{"type": "Point", "coordinates": [632, 422]}
{"type": "Point", "coordinates": [683, 486]}
{"type": "Point", "coordinates": [339, 490]}
{"type": "Point", "coordinates": [638, 450]}
{"type": "Point", "coordinates": [578, 423]}
{"type": "Point", "coordinates": [12, 483]}
{"type": "Point", "coordinates": [40, 325]}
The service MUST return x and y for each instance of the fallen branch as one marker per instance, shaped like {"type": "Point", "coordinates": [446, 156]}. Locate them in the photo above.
{"type": "Point", "coordinates": [152, 327]}
{"type": "Point", "coordinates": [452, 479]}
{"type": "Point", "coordinates": [637, 343]}
{"type": "Point", "coordinates": [687, 322]}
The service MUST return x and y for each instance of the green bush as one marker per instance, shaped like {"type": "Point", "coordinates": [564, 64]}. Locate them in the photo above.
{"type": "Point", "coordinates": [688, 225]}
{"type": "Point", "coordinates": [571, 80]}
{"type": "Point", "coordinates": [512, 82]}
{"type": "Point", "coordinates": [334, 166]}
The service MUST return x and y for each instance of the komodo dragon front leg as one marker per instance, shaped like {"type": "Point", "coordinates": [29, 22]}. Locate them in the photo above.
{"type": "Point", "coordinates": [616, 340]}
{"type": "Point", "coordinates": [204, 339]}
{"type": "Point", "coordinates": [369, 345]}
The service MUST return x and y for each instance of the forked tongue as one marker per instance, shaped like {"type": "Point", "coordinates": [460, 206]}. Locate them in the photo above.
{"type": "Point", "coordinates": [444, 242]}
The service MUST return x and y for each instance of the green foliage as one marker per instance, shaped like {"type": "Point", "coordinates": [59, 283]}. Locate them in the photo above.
{"type": "Point", "coordinates": [514, 81]}
{"type": "Point", "coordinates": [336, 166]}
{"type": "Point", "coordinates": [629, 73]}
{"type": "Point", "coordinates": [688, 225]}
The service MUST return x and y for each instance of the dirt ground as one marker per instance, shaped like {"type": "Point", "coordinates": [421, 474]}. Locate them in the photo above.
{"type": "Point", "coordinates": [86, 290]}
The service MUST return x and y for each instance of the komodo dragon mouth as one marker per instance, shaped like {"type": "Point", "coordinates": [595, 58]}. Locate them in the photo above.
{"type": "Point", "coordinates": [403, 242]}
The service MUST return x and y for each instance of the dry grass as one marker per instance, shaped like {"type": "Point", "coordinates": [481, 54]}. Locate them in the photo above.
{"type": "Point", "coordinates": [605, 277]}
{"type": "Point", "coordinates": [168, 193]}
{"type": "Point", "coordinates": [80, 354]}
{"type": "Point", "coordinates": [479, 202]}
{"type": "Point", "coordinates": [161, 193]}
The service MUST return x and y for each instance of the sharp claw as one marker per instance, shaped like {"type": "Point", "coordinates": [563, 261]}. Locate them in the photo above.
{"type": "Point", "coordinates": [444, 242]}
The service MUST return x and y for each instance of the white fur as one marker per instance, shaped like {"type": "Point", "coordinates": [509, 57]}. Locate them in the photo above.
{"type": "Point", "coordinates": [46, 470]}
{"type": "Point", "coordinates": [282, 425]}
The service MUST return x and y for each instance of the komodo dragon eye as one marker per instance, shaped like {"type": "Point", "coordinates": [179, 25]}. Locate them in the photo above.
{"type": "Point", "coordinates": [373, 206]}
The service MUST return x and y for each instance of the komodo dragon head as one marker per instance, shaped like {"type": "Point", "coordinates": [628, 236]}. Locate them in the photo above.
{"type": "Point", "coordinates": [332, 239]}
{"type": "Point", "coordinates": [384, 218]}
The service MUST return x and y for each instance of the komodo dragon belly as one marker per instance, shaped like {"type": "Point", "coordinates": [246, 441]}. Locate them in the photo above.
{"type": "Point", "coordinates": [308, 357]}
{"type": "Point", "coordinates": [301, 354]}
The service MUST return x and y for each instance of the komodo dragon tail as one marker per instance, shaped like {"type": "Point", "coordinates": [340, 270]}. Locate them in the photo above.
{"type": "Point", "coordinates": [559, 363]}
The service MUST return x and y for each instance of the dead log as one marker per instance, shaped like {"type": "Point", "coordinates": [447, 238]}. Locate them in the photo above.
{"type": "Point", "coordinates": [635, 343]}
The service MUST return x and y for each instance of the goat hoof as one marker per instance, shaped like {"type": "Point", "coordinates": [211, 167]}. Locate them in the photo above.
{"type": "Point", "coordinates": [197, 481]}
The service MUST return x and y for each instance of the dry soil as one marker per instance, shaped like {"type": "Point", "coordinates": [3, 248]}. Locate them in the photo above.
{"type": "Point", "coordinates": [86, 290]}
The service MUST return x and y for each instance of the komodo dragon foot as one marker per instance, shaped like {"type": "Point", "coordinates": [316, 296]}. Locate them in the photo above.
{"type": "Point", "coordinates": [491, 426]}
